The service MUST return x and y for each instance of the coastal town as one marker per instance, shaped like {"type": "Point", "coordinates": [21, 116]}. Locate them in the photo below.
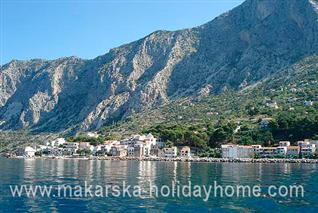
{"type": "Point", "coordinates": [136, 146]}
{"type": "Point", "coordinates": [148, 146]}
{"type": "Point", "coordinates": [303, 149]}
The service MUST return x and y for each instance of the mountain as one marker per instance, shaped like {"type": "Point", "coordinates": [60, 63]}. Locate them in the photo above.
{"type": "Point", "coordinates": [235, 50]}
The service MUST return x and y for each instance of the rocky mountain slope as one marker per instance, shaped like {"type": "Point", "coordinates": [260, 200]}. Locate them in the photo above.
{"type": "Point", "coordinates": [289, 88]}
{"type": "Point", "coordinates": [237, 49]}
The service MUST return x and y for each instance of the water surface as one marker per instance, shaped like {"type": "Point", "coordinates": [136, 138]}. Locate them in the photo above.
{"type": "Point", "coordinates": [73, 172]}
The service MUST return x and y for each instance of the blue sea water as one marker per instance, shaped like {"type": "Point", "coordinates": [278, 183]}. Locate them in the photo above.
{"type": "Point", "coordinates": [147, 174]}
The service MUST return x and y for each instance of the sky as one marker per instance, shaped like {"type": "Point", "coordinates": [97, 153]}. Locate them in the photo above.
{"type": "Point", "coordinates": [50, 29]}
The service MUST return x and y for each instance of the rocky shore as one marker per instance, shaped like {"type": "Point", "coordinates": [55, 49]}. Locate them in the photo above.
{"type": "Point", "coordinates": [193, 159]}
{"type": "Point", "coordinates": [214, 160]}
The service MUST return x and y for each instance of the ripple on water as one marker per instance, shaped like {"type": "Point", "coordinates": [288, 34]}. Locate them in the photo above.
{"type": "Point", "coordinates": [42, 171]}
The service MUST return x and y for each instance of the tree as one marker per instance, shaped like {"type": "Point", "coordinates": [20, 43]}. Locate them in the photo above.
{"type": "Point", "coordinates": [265, 138]}
{"type": "Point", "coordinates": [218, 137]}
{"type": "Point", "coordinates": [246, 140]}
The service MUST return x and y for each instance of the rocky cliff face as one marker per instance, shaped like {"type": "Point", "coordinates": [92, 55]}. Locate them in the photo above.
{"type": "Point", "coordinates": [238, 48]}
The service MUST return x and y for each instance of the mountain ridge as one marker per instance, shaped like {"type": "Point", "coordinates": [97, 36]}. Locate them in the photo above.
{"type": "Point", "coordinates": [234, 50]}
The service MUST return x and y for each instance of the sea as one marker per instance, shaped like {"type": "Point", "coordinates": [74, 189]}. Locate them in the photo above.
{"type": "Point", "coordinates": [75, 185]}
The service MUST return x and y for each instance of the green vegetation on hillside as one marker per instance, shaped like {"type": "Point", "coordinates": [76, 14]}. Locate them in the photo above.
{"type": "Point", "coordinates": [288, 100]}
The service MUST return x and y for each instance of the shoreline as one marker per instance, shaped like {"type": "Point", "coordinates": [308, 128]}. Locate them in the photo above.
{"type": "Point", "coordinates": [178, 159]}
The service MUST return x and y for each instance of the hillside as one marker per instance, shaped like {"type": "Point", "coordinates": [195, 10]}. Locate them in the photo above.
{"type": "Point", "coordinates": [291, 89]}
{"type": "Point", "coordinates": [238, 49]}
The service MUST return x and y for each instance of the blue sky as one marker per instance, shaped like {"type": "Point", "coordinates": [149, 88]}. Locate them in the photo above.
{"type": "Point", "coordinates": [51, 29]}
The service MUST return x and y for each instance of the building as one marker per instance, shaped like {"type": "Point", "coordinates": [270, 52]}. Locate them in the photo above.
{"type": "Point", "coordinates": [56, 143]}
{"type": "Point", "coordinates": [246, 152]}
{"type": "Point", "coordinates": [155, 151]}
{"type": "Point", "coordinates": [131, 151]}
{"type": "Point", "coordinates": [140, 150]}
{"type": "Point", "coordinates": [185, 151]}
{"type": "Point", "coordinates": [236, 151]}
{"type": "Point", "coordinates": [307, 148]}
{"type": "Point", "coordinates": [53, 151]}
{"type": "Point", "coordinates": [170, 152]}
{"type": "Point", "coordinates": [308, 103]}
{"type": "Point", "coordinates": [70, 148]}
{"type": "Point", "coordinates": [84, 145]}
{"type": "Point", "coordinates": [107, 145]}
{"type": "Point", "coordinates": [281, 151]}
{"type": "Point", "coordinates": [92, 134]}
{"type": "Point", "coordinates": [293, 90]}
{"type": "Point", "coordinates": [284, 143]}
{"type": "Point", "coordinates": [97, 150]}
{"type": "Point", "coordinates": [119, 151]}
{"type": "Point", "coordinates": [28, 152]}
{"type": "Point", "coordinates": [133, 140]}
{"type": "Point", "coordinates": [229, 151]}
{"type": "Point", "coordinates": [59, 142]}
{"type": "Point", "coordinates": [85, 148]}
{"type": "Point", "coordinates": [140, 145]}
{"type": "Point", "coordinates": [265, 123]}
{"type": "Point", "coordinates": [257, 149]}
{"type": "Point", "coordinates": [149, 140]}
{"type": "Point", "coordinates": [315, 142]}
{"type": "Point", "coordinates": [160, 153]}
{"type": "Point", "coordinates": [293, 151]}
{"type": "Point", "coordinates": [268, 152]}
{"type": "Point", "coordinates": [42, 148]}
{"type": "Point", "coordinates": [272, 104]}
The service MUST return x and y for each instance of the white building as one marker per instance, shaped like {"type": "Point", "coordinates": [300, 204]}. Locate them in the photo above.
{"type": "Point", "coordinates": [41, 148]}
{"type": "Point", "coordinates": [131, 151]}
{"type": "Point", "coordinates": [315, 142]}
{"type": "Point", "coordinates": [147, 139]}
{"type": "Point", "coordinates": [308, 103]}
{"type": "Point", "coordinates": [236, 151]}
{"type": "Point", "coordinates": [92, 134]}
{"type": "Point", "coordinates": [272, 104]}
{"type": "Point", "coordinates": [284, 143]}
{"type": "Point", "coordinates": [71, 148]}
{"type": "Point", "coordinates": [29, 152]}
{"type": "Point", "coordinates": [107, 145]}
{"type": "Point", "coordinates": [150, 139]}
{"type": "Point", "coordinates": [56, 143]}
{"type": "Point", "coordinates": [185, 151]}
{"type": "Point", "coordinates": [59, 142]}
{"type": "Point", "coordinates": [170, 152]}
{"type": "Point", "coordinates": [140, 145]}
{"type": "Point", "coordinates": [307, 148]}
